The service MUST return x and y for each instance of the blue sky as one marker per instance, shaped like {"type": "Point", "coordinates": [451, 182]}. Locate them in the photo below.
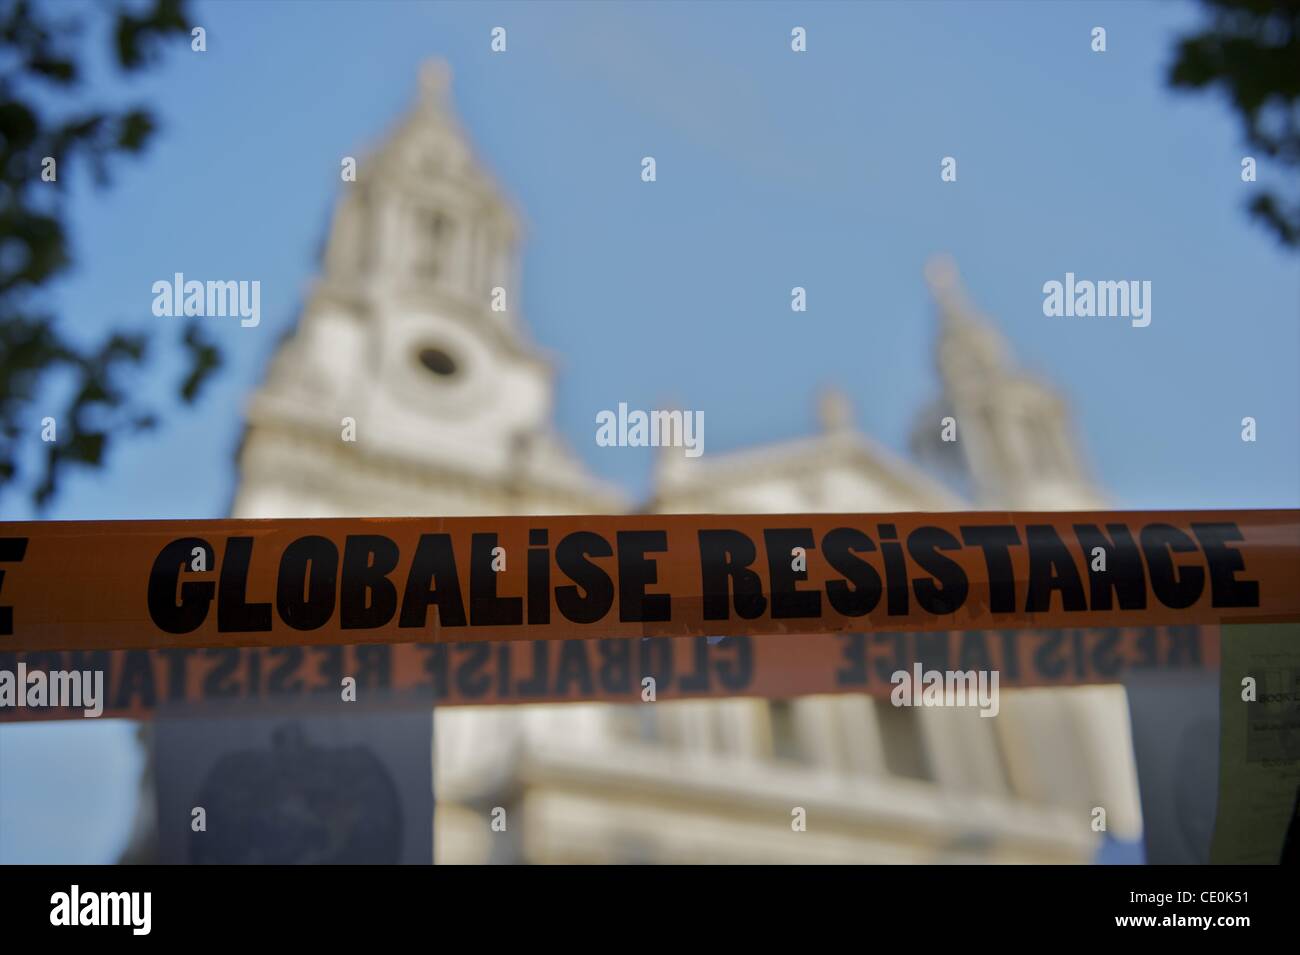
{"type": "Point", "coordinates": [774, 170]}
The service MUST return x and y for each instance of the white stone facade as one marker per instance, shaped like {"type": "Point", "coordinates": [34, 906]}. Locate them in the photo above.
{"type": "Point", "coordinates": [462, 427]}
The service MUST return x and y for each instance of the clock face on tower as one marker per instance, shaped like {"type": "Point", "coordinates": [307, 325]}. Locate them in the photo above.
{"type": "Point", "coordinates": [437, 365]}
{"type": "Point", "coordinates": [438, 362]}
{"type": "Point", "coordinates": [441, 370]}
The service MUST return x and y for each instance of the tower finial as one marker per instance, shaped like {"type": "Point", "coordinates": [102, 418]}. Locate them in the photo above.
{"type": "Point", "coordinates": [835, 411]}
{"type": "Point", "coordinates": [941, 271]}
{"type": "Point", "coordinates": [945, 285]}
{"type": "Point", "coordinates": [435, 81]}
{"type": "Point", "coordinates": [965, 340]}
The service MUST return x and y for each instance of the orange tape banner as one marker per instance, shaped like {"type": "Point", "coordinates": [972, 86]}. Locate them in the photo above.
{"type": "Point", "coordinates": [139, 683]}
{"type": "Point", "coordinates": [231, 583]}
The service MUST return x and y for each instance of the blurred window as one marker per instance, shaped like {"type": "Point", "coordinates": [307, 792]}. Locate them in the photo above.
{"type": "Point", "coordinates": [434, 243]}
{"type": "Point", "coordinates": [902, 742]}
{"type": "Point", "coordinates": [785, 732]}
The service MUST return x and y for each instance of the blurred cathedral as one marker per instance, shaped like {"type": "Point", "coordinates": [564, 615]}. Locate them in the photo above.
{"type": "Point", "coordinates": [462, 425]}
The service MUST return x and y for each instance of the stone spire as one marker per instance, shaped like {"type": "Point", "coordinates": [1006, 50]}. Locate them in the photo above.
{"type": "Point", "coordinates": [435, 84]}
{"type": "Point", "coordinates": [834, 411]}
{"type": "Point", "coordinates": [1013, 431]}
{"type": "Point", "coordinates": [945, 285]}
{"type": "Point", "coordinates": [425, 220]}
{"type": "Point", "coordinates": [969, 347]}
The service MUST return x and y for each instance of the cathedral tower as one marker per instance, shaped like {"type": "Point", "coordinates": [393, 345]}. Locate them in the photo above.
{"type": "Point", "coordinates": [1014, 433]}
{"type": "Point", "coordinates": [409, 385]}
